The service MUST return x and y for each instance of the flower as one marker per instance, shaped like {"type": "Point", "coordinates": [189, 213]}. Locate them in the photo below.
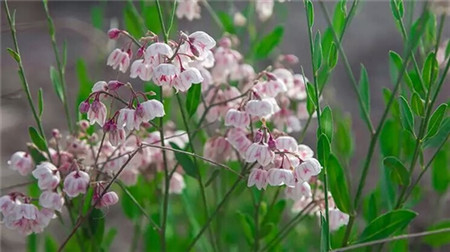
{"type": "Point", "coordinates": [264, 8]}
{"type": "Point", "coordinates": [51, 200]}
{"type": "Point", "coordinates": [7, 205]}
{"type": "Point", "coordinates": [47, 175]}
{"type": "Point", "coordinates": [301, 189]}
{"type": "Point", "coordinates": [217, 149]}
{"type": "Point", "coordinates": [75, 183]}
{"type": "Point", "coordinates": [149, 110]}
{"type": "Point", "coordinates": [259, 152]}
{"type": "Point", "coordinates": [310, 167]}
{"type": "Point", "coordinates": [238, 139]}
{"type": "Point", "coordinates": [200, 44]}
{"type": "Point", "coordinates": [165, 74]}
{"type": "Point", "coordinates": [141, 69]}
{"type": "Point", "coordinates": [126, 119]}
{"type": "Point", "coordinates": [260, 108]}
{"type": "Point", "coordinates": [176, 184]}
{"type": "Point", "coordinates": [337, 219]}
{"type": "Point", "coordinates": [257, 177]}
{"type": "Point", "coordinates": [239, 19]}
{"type": "Point", "coordinates": [97, 113]}
{"type": "Point", "coordinates": [287, 143]}
{"type": "Point", "coordinates": [22, 162]}
{"type": "Point", "coordinates": [189, 9]}
{"type": "Point", "coordinates": [236, 118]}
{"type": "Point", "coordinates": [119, 59]}
{"type": "Point", "coordinates": [108, 199]}
{"type": "Point", "coordinates": [187, 78]}
{"type": "Point", "coordinates": [278, 176]}
{"type": "Point", "coordinates": [24, 218]}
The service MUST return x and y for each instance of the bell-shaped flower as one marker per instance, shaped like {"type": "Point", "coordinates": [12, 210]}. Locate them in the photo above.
{"type": "Point", "coordinates": [156, 53]}
{"type": "Point", "coordinates": [47, 175]}
{"type": "Point", "coordinates": [75, 183]}
{"type": "Point", "coordinates": [7, 205]}
{"type": "Point", "coordinates": [259, 152]}
{"type": "Point", "coordinates": [119, 59]}
{"type": "Point", "coordinates": [97, 113]}
{"type": "Point", "coordinates": [286, 143]}
{"type": "Point", "coordinates": [310, 167]}
{"type": "Point", "coordinates": [217, 149]}
{"type": "Point", "coordinates": [176, 184]}
{"type": "Point", "coordinates": [239, 140]}
{"type": "Point", "coordinates": [305, 152]}
{"type": "Point", "coordinates": [298, 90]}
{"type": "Point", "coordinates": [264, 9]}
{"type": "Point", "coordinates": [337, 219]}
{"type": "Point", "coordinates": [189, 9]}
{"type": "Point", "coordinates": [258, 178]}
{"type": "Point", "coordinates": [200, 43]}
{"type": "Point", "coordinates": [236, 118]}
{"type": "Point", "coordinates": [51, 200]}
{"type": "Point", "coordinates": [149, 110]}
{"type": "Point", "coordinates": [21, 162]}
{"type": "Point", "coordinates": [126, 119]}
{"type": "Point", "coordinates": [278, 176]}
{"type": "Point", "coordinates": [301, 189]}
{"type": "Point", "coordinates": [108, 199]}
{"type": "Point", "coordinates": [259, 108]}
{"type": "Point", "coordinates": [165, 74]}
{"type": "Point", "coordinates": [187, 78]}
{"type": "Point", "coordinates": [141, 69]}
{"type": "Point", "coordinates": [116, 134]}
{"type": "Point", "coordinates": [24, 219]}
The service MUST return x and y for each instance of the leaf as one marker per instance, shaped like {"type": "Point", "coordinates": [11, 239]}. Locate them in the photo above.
{"type": "Point", "coordinates": [326, 122]}
{"type": "Point", "coordinates": [14, 54]}
{"type": "Point", "coordinates": [364, 90]}
{"type": "Point", "coordinates": [440, 176]}
{"type": "Point", "coordinates": [50, 244]}
{"type": "Point", "coordinates": [311, 99]}
{"type": "Point", "coordinates": [406, 115]}
{"type": "Point", "coordinates": [397, 170]}
{"type": "Point", "coordinates": [247, 226]}
{"type": "Point", "coordinates": [430, 69]}
{"type": "Point", "coordinates": [32, 243]}
{"type": "Point", "coordinates": [417, 30]}
{"type": "Point", "coordinates": [417, 104]}
{"type": "Point", "coordinates": [324, 235]}
{"type": "Point", "coordinates": [269, 42]}
{"type": "Point", "coordinates": [109, 238]}
{"type": "Point", "coordinates": [274, 215]}
{"type": "Point", "coordinates": [317, 60]}
{"type": "Point", "coordinates": [132, 20]}
{"type": "Point", "coordinates": [266, 229]}
{"type": "Point", "coordinates": [227, 22]}
{"type": "Point", "coordinates": [387, 224]}
{"type": "Point", "coordinates": [440, 136]}
{"type": "Point", "coordinates": [97, 17]}
{"type": "Point", "coordinates": [54, 77]}
{"type": "Point", "coordinates": [323, 149]}
{"type": "Point", "coordinates": [397, 9]}
{"type": "Point", "coordinates": [36, 155]}
{"type": "Point", "coordinates": [193, 98]}
{"type": "Point", "coordinates": [436, 120]}
{"type": "Point", "coordinates": [185, 161]}
{"type": "Point", "coordinates": [343, 137]}
{"type": "Point", "coordinates": [40, 102]}
{"type": "Point", "coordinates": [310, 13]}
{"type": "Point", "coordinates": [339, 190]}
{"type": "Point", "coordinates": [440, 239]}
{"type": "Point", "coordinates": [395, 66]}
{"type": "Point", "coordinates": [150, 16]}
{"type": "Point", "coordinates": [212, 177]}
{"type": "Point", "coordinates": [339, 17]}
{"type": "Point", "coordinates": [37, 139]}
{"type": "Point", "coordinates": [332, 56]}
{"type": "Point", "coordinates": [96, 222]}
{"type": "Point", "coordinates": [85, 84]}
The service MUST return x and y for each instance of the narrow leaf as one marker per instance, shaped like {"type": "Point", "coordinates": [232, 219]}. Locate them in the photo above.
{"type": "Point", "coordinates": [317, 60]}
{"type": "Point", "coordinates": [326, 122]}
{"type": "Point", "coordinates": [14, 54]}
{"type": "Point", "coordinates": [340, 191]}
{"type": "Point", "coordinates": [438, 240]}
{"type": "Point", "coordinates": [323, 149]}
{"type": "Point", "coordinates": [332, 56]}
{"type": "Point", "coordinates": [430, 69]}
{"type": "Point", "coordinates": [185, 161]}
{"type": "Point", "coordinates": [310, 12]}
{"type": "Point", "coordinates": [37, 139]}
{"type": "Point", "coordinates": [406, 115]}
{"type": "Point", "coordinates": [440, 176]}
{"type": "Point", "coordinates": [54, 77]}
{"type": "Point", "coordinates": [397, 170]}
{"type": "Point", "coordinates": [40, 102]}
{"type": "Point", "coordinates": [417, 105]}
{"type": "Point", "coordinates": [193, 98]}
{"type": "Point", "coordinates": [269, 42]}
{"type": "Point", "coordinates": [436, 120]}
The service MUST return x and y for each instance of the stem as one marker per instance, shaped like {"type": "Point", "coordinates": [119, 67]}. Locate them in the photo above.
{"type": "Point", "coordinates": [258, 205]}
{"type": "Point", "coordinates": [61, 67]}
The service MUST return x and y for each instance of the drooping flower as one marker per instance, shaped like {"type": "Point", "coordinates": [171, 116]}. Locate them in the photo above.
{"type": "Point", "coordinates": [189, 9]}
{"type": "Point", "coordinates": [126, 119]}
{"type": "Point", "coordinates": [141, 69]}
{"type": "Point", "coordinates": [21, 162]}
{"type": "Point", "coordinates": [176, 184]}
{"type": "Point", "coordinates": [97, 113]}
{"type": "Point", "coordinates": [165, 74]}
{"type": "Point", "coordinates": [310, 167]}
{"type": "Point", "coordinates": [24, 218]}
{"type": "Point", "coordinates": [217, 149]}
{"type": "Point", "coordinates": [258, 177]}
{"type": "Point", "coordinates": [108, 199]}
{"type": "Point", "coordinates": [301, 189]}
{"type": "Point", "coordinates": [238, 139]}
{"type": "Point", "coordinates": [264, 8]}
{"type": "Point", "coordinates": [337, 219]}
{"type": "Point", "coordinates": [277, 177]}
{"type": "Point", "coordinates": [186, 78]}
{"type": "Point", "coordinates": [47, 175]}
{"type": "Point", "coordinates": [51, 200]}
{"type": "Point", "coordinates": [75, 183]}
{"type": "Point", "coordinates": [259, 108]}
{"type": "Point", "coordinates": [259, 152]}
{"type": "Point", "coordinates": [119, 59]}
{"type": "Point", "coordinates": [200, 43]}
{"type": "Point", "coordinates": [236, 118]}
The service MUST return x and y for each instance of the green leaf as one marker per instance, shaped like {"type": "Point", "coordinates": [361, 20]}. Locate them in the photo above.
{"type": "Point", "coordinates": [150, 16]}
{"type": "Point", "coordinates": [364, 90]}
{"type": "Point", "coordinates": [324, 235]}
{"type": "Point", "coordinates": [440, 239]}
{"type": "Point", "coordinates": [339, 17]}
{"type": "Point", "coordinates": [332, 56]}
{"type": "Point", "coordinates": [109, 238]}
{"type": "Point", "coordinates": [440, 136]}
{"type": "Point", "coordinates": [266, 229]}
{"type": "Point", "coordinates": [397, 170]}
{"type": "Point", "coordinates": [193, 98]}
{"type": "Point", "coordinates": [323, 149]}
{"type": "Point", "coordinates": [317, 60]}
{"type": "Point", "coordinates": [311, 98]}
{"type": "Point", "coordinates": [343, 137]}
{"type": "Point", "coordinates": [40, 102]}
{"type": "Point", "coordinates": [340, 191]}
{"type": "Point", "coordinates": [417, 30]}
{"type": "Point", "coordinates": [406, 115]}
{"type": "Point", "coordinates": [387, 224]}
{"type": "Point", "coordinates": [310, 13]}
{"type": "Point", "coordinates": [133, 22]}
{"type": "Point", "coordinates": [247, 226]}
{"type": "Point", "coordinates": [227, 22]}
{"type": "Point", "coordinates": [326, 122]}
{"type": "Point", "coordinates": [97, 17]}
{"type": "Point", "coordinates": [274, 215]}
{"type": "Point", "coordinates": [397, 9]}
{"type": "Point", "coordinates": [395, 65]}
{"type": "Point", "coordinates": [37, 155]}
{"type": "Point", "coordinates": [50, 244]}
{"type": "Point", "coordinates": [37, 139]}
{"type": "Point", "coordinates": [32, 243]}
{"type": "Point", "coordinates": [430, 69]}
{"type": "Point", "coordinates": [440, 176]}
{"type": "Point", "coordinates": [269, 42]}
{"type": "Point", "coordinates": [417, 104]}
{"type": "Point", "coordinates": [14, 54]}
{"type": "Point", "coordinates": [54, 77]}
{"type": "Point", "coordinates": [96, 222]}
{"type": "Point", "coordinates": [436, 120]}
{"type": "Point", "coordinates": [185, 161]}
{"type": "Point", "coordinates": [85, 84]}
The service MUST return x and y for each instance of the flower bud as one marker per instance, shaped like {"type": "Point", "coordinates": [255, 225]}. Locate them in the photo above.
{"type": "Point", "coordinates": [114, 33]}
{"type": "Point", "coordinates": [114, 85]}
{"type": "Point", "coordinates": [225, 42]}
{"type": "Point", "coordinates": [56, 134]}
{"type": "Point", "coordinates": [258, 136]}
{"type": "Point", "coordinates": [140, 52]}
{"type": "Point", "coordinates": [84, 107]}
{"type": "Point", "coordinates": [272, 144]}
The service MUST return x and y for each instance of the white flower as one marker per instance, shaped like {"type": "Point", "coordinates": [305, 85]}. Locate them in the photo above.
{"type": "Point", "coordinates": [259, 152]}
{"type": "Point", "coordinates": [277, 177]}
{"type": "Point", "coordinates": [21, 162]}
{"type": "Point", "coordinates": [47, 175]}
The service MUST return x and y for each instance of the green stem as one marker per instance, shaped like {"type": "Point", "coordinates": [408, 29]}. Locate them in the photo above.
{"type": "Point", "coordinates": [258, 205]}
{"type": "Point", "coordinates": [60, 66]}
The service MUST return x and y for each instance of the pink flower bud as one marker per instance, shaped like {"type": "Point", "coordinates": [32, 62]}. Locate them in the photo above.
{"type": "Point", "coordinates": [75, 183]}
{"type": "Point", "coordinates": [56, 134]}
{"type": "Point", "coordinates": [108, 199]}
{"type": "Point", "coordinates": [225, 42]}
{"type": "Point", "coordinates": [84, 107]}
{"type": "Point", "coordinates": [176, 184]}
{"type": "Point", "coordinates": [21, 162]}
{"type": "Point", "coordinates": [291, 59]}
{"type": "Point", "coordinates": [114, 33]}
{"type": "Point", "coordinates": [114, 85]}
{"type": "Point", "coordinates": [140, 52]}
{"type": "Point", "coordinates": [271, 143]}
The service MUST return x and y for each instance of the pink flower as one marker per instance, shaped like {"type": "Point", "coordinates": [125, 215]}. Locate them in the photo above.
{"type": "Point", "coordinates": [51, 200]}
{"type": "Point", "coordinates": [47, 175]}
{"type": "Point", "coordinates": [236, 118]}
{"type": "Point", "coordinates": [270, 88]}
{"type": "Point", "coordinates": [264, 8]}
{"type": "Point", "coordinates": [217, 149]}
{"type": "Point", "coordinates": [305, 152]}
{"type": "Point", "coordinates": [298, 91]}
{"type": "Point", "coordinates": [75, 183]}
{"type": "Point", "coordinates": [310, 167]}
{"type": "Point", "coordinates": [126, 119]}
{"type": "Point", "coordinates": [21, 162]}
{"type": "Point", "coordinates": [108, 199]}
{"type": "Point", "coordinates": [200, 43]}
{"type": "Point", "coordinates": [259, 152]}
{"type": "Point", "coordinates": [97, 113]}
{"type": "Point", "coordinates": [187, 78]}
{"type": "Point", "coordinates": [165, 74]}
{"type": "Point", "coordinates": [114, 33]}
{"type": "Point", "coordinates": [141, 69]}
{"type": "Point", "coordinates": [156, 53]}
{"type": "Point", "coordinates": [149, 110]}
{"type": "Point", "coordinates": [119, 59]}
{"type": "Point", "coordinates": [116, 135]}
{"type": "Point", "coordinates": [100, 86]}
{"type": "Point", "coordinates": [301, 189]}
{"type": "Point", "coordinates": [287, 143]}
{"type": "Point", "coordinates": [259, 108]}
{"type": "Point", "coordinates": [277, 177]}
{"type": "Point", "coordinates": [24, 218]}
{"type": "Point", "coordinates": [7, 205]}
{"type": "Point", "coordinates": [257, 177]}
{"type": "Point", "coordinates": [337, 219]}
{"type": "Point", "coordinates": [189, 9]}
{"type": "Point", "coordinates": [239, 140]}
{"type": "Point", "coordinates": [176, 184]}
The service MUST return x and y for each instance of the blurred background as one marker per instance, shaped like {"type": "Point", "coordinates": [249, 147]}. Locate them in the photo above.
{"type": "Point", "coordinates": [83, 25]}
